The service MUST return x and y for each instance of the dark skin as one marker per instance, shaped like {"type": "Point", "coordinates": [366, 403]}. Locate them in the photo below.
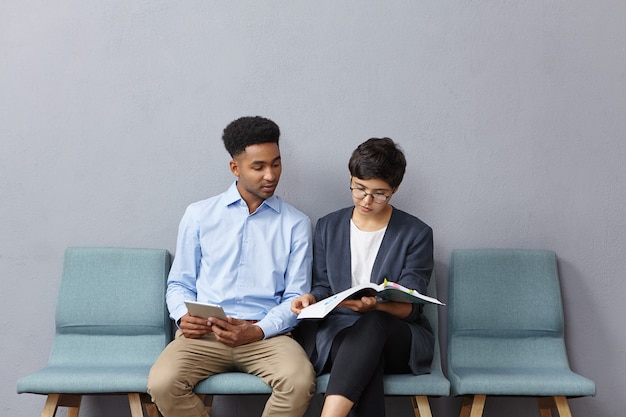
{"type": "Point", "coordinates": [232, 332]}
{"type": "Point", "coordinates": [258, 171]}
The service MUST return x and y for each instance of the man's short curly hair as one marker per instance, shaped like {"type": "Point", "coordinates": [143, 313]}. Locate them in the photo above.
{"type": "Point", "coordinates": [249, 130]}
{"type": "Point", "coordinates": [378, 158]}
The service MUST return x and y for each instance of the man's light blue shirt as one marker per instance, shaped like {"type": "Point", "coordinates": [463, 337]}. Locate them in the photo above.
{"type": "Point", "coordinates": [252, 265]}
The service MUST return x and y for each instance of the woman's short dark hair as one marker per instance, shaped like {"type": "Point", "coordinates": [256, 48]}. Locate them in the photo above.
{"type": "Point", "coordinates": [249, 130]}
{"type": "Point", "coordinates": [378, 158]}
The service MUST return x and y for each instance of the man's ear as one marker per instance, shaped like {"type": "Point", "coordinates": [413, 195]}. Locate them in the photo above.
{"type": "Point", "coordinates": [234, 168]}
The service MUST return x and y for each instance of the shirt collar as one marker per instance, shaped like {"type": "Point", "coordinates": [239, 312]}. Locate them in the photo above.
{"type": "Point", "coordinates": [233, 196]}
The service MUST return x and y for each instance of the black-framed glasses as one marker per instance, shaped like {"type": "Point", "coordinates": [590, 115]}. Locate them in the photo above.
{"type": "Point", "coordinates": [360, 194]}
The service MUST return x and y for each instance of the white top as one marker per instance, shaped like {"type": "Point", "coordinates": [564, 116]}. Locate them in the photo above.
{"type": "Point", "coordinates": [364, 247]}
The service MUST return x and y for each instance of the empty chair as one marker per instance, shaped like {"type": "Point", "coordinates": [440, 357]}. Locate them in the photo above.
{"type": "Point", "coordinates": [111, 324]}
{"type": "Point", "coordinates": [505, 330]}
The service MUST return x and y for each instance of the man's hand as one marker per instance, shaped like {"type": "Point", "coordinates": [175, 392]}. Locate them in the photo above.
{"type": "Point", "coordinates": [301, 302]}
{"type": "Point", "coordinates": [194, 327]}
{"type": "Point", "coordinates": [234, 332]}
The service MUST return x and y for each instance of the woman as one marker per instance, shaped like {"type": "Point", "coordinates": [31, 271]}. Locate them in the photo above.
{"type": "Point", "coordinates": [363, 339]}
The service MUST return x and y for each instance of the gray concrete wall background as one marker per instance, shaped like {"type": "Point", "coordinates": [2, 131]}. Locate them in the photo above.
{"type": "Point", "coordinates": [511, 116]}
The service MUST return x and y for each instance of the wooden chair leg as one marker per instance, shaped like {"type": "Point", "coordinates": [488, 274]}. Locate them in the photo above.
{"type": "Point", "coordinates": [54, 401]}
{"type": "Point", "coordinates": [136, 407]}
{"type": "Point", "coordinates": [208, 402]}
{"type": "Point", "coordinates": [73, 411]}
{"type": "Point", "coordinates": [546, 404]}
{"type": "Point", "coordinates": [466, 407]}
{"type": "Point", "coordinates": [473, 405]}
{"type": "Point", "coordinates": [562, 406]}
{"type": "Point", "coordinates": [72, 403]}
{"type": "Point", "coordinates": [137, 402]}
{"type": "Point", "coordinates": [151, 408]}
{"type": "Point", "coordinates": [421, 406]}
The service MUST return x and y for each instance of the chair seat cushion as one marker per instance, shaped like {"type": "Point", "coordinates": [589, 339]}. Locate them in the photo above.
{"type": "Point", "coordinates": [85, 380]}
{"type": "Point", "coordinates": [433, 384]}
{"type": "Point", "coordinates": [520, 381]}
{"type": "Point", "coordinates": [232, 383]}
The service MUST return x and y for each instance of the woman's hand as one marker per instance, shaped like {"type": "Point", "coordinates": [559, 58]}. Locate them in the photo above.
{"type": "Point", "coordinates": [365, 304]}
{"type": "Point", "coordinates": [362, 305]}
{"type": "Point", "coordinates": [301, 302]}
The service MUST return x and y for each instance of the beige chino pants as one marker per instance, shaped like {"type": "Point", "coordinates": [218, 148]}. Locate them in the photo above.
{"type": "Point", "coordinates": [280, 361]}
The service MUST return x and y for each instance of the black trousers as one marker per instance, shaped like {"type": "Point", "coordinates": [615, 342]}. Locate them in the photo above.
{"type": "Point", "coordinates": [376, 344]}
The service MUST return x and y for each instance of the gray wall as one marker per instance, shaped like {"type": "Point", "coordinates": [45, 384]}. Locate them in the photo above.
{"type": "Point", "coordinates": [511, 115]}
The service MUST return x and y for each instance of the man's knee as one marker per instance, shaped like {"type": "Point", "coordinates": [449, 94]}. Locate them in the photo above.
{"type": "Point", "coordinates": [164, 382]}
{"type": "Point", "coordinates": [159, 384]}
{"type": "Point", "coordinates": [301, 379]}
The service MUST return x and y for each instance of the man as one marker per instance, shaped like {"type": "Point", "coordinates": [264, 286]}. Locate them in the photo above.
{"type": "Point", "coordinates": [249, 251]}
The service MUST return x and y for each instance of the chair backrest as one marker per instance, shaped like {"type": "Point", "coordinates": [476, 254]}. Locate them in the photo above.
{"type": "Point", "coordinates": [431, 311]}
{"type": "Point", "coordinates": [505, 309]}
{"type": "Point", "coordinates": [111, 307]}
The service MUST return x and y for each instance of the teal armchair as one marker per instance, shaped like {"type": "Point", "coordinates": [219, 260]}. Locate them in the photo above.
{"type": "Point", "coordinates": [111, 324]}
{"type": "Point", "coordinates": [505, 330]}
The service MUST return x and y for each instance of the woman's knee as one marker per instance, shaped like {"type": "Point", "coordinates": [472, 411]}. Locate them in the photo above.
{"type": "Point", "coordinates": [374, 321]}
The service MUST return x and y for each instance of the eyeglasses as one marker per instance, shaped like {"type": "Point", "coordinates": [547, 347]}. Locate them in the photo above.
{"type": "Point", "coordinates": [360, 194]}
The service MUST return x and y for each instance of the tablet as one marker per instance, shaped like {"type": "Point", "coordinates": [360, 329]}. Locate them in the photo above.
{"type": "Point", "coordinates": [205, 310]}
